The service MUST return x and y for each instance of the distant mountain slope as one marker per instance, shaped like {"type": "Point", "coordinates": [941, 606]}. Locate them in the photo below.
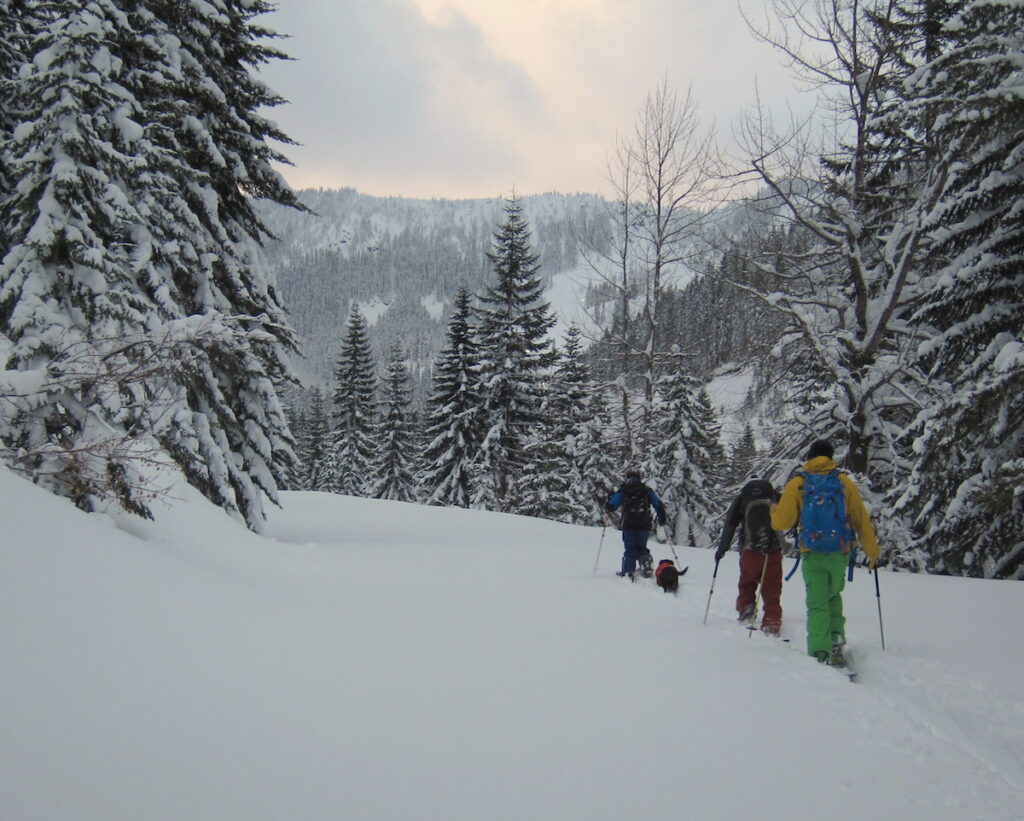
{"type": "Point", "coordinates": [402, 260]}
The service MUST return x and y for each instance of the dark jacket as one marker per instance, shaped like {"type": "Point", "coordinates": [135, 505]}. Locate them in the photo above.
{"type": "Point", "coordinates": [633, 522]}
{"type": "Point", "coordinates": [735, 516]}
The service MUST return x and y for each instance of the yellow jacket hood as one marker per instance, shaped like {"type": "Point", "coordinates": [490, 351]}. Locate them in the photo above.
{"type": "Point", "coordinates": [819, 464]}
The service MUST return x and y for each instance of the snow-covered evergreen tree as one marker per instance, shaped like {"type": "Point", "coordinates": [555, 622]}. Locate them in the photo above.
{"type": "Point", "coordinates": [453, 413]}
{"type": "Point", "coordinates": [297, 424]}
{"type": "Point", "coordinates": [513, 323]}
{"type": "Point", "coordinates": [964, 493]}
{"type": "Point", "coordinates": [742, 458]}
{"type": "Point", "coordinates": [395, 460]}
{"type": "Point", "coordinates": [543, 487]}
{"type": "Point", "coordinates": [599, 456]}
{"type": "Point", "coordinates": [132, 224]}
{"type": "Point", "coordinates": [686, 462]}
{"type": "Point", "coordinates": [17, 20]}
{"type": "Point", "coordinates": [582, 431]}
{"type": "Point", "coordinates": [552, 468]}
{"type": "Point", "coordinates": [65, 281]}
{"type": "Point", "coordinates": [354, 432]}
{"type": "Point", "coordinates": [317, 451]}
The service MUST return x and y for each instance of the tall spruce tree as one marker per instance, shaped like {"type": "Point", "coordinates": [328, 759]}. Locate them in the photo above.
{"type": "Point", "coordinates": [354, 431]}
{"type": "Point", "coordinates": [134, 244]}
{"type": "Point", "coordinates": [225, 147]}
{"type": "Point", "coordinates": [17, 21]}
{"type": "Point", "coordinates": [66, 277]}
{"type": "Point", "coordinates": [513, 323]}
{"type": "Point", "coordinates": [317, 451]}
{"type": "Point", "coordinates": [968, 447]}
{"type": "Point", "coordinates": [742, 458]}
{"type": "Point", "coordinates": [553, 464]}
{"type": "Point", "coordinates": [543, 487]}
{"type": "Point", "coordinates": [395, 460]}
{"type": "Point", "coordinates": [686, 461]}
{"type": "Point", "coordinates": [584, 427]}
{"type": "Point", "coordinates": [298, 424]}
{"type": "Point", "coordinates": [599, 455]}
{"type": "Point", "coordinates": [453, 413]}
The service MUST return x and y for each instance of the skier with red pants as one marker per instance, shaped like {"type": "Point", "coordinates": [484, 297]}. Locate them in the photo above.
{"type": "Point", "coordinates": [760, 553]}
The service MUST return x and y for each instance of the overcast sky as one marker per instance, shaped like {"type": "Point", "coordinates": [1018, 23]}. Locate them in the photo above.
{"type": "Point", "coordinates": [472, 98]}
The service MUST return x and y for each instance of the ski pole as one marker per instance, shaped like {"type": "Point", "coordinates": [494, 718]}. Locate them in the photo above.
{"type": "Point", "coordinates": [711, 591]}
{"type": "Point", "coordinates": [604, 526]}
{"type": "Point", "coordinates": [671, 546]}
{"type": "Point", "coordinates": [760, 589]}
{"type": "Point", "coordinates": [796, 547]}
{"type": "Point", "coordinates": [878, 595]}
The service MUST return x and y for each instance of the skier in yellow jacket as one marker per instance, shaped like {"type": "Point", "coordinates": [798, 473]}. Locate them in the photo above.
{"type": "Point", "coordinates": [825, 558]}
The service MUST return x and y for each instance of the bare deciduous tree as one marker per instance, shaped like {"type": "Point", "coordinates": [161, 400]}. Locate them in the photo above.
{"type": "Point", "coordinates": [664, 179]}
{"type": "Point", "coordinates": [861, 199]}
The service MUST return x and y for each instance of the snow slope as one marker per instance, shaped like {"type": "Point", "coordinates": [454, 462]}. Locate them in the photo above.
{"type": "Point", "coordinates": [375, 661]}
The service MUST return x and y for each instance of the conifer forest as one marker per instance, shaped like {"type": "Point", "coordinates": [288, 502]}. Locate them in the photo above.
{"type": "Point", "coordinates": [167, 302]}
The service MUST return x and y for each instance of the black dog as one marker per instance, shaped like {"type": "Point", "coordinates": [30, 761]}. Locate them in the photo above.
{"type": "Point", "coordinates": [667, 576]}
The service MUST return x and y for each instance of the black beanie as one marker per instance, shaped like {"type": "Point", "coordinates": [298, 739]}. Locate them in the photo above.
{"type": "Point", "coordinates": [822, 447]}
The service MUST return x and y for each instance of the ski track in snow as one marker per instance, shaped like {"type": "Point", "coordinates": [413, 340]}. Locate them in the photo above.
{"type": "Point", "coordinates": [960, 712]}
{"type": "Point", "coordinates": [932, 712]}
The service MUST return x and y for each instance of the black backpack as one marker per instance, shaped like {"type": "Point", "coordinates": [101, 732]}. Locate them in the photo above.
{"type": "Point", "coordinates": [636, 506]}
{"type": "Point", "coordinates": [757, 520]}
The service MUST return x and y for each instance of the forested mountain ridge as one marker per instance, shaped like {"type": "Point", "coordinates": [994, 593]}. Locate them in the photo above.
{"type": "Point", "coordinates": [403, 260]}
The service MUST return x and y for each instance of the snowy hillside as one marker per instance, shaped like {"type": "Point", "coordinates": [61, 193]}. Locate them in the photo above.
{"type": "Point", "coordinates": [375, 661]}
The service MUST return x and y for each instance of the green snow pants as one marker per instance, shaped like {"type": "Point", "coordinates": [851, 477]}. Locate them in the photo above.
{"type": "Point", "coordinates": [825, 578]}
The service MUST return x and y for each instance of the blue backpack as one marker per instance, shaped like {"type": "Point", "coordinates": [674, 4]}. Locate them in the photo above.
{"type": "Point", "coordinates": [823, 526]}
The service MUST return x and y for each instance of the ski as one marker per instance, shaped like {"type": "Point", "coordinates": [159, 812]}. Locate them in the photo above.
{"type": "Point", "coordinates": [753, 628]}
{"type": "Point", "coordinates": [851, 675]}
{"type": "Point", "coordinates": [846, 670]}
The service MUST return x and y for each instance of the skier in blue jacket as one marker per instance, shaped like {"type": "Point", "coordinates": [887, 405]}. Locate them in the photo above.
{"type": "Point", "coordinates": [636, 501]}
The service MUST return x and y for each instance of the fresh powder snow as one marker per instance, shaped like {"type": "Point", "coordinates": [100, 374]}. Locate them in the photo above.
{"type": "Point", "coordinates": [380, 661]}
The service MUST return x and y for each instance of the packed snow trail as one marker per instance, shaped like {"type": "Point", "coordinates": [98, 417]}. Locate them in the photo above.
{"type": "Point", "coordinates": [380, 662]}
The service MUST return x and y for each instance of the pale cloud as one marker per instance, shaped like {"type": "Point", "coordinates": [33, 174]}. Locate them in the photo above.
{"type": "Point", "coordinates": [474, 97]}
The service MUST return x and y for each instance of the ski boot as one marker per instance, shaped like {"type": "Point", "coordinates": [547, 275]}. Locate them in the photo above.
{"type": "Point", "coordinates": [837, 658]}
{"type": "Point", "coordinates": [646, 565]}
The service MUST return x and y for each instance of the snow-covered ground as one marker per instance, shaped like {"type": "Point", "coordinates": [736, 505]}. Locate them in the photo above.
{"type": "Point", "coordinates": [374, 661]}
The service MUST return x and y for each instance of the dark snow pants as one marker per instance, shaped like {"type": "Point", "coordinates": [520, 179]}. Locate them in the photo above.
{"type": "Point", "coordinates": [635, 543]}
{"type": "Point", "coordinates": [752, 564]}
